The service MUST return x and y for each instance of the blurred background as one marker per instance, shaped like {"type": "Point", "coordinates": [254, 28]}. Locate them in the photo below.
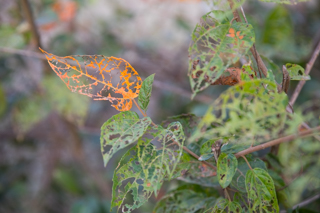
{"type": "Point", "coordinates": [50, 158]}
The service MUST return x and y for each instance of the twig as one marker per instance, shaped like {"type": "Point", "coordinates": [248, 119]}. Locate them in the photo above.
{"type": "Point", "coordinates": [288, 138]}
{"type": "Point", "coordinates": [29, 16]}
{"type": "Point", "coordinates": [144, 114]}
{"type": "Point", "coordinates": [306, 202]}
{"type": "Point", "coordinates": [246, 161]}
{"type": "Point", "coordinates": [307, 71]}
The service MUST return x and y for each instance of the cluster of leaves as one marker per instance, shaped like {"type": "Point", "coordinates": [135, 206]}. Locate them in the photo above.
{"type": "Point", "coordinates": [249, 113]}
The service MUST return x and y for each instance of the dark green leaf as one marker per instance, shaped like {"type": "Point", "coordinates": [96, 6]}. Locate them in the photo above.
{"type": "Point", "coordinates": [120, 131]}
{"type": "Point", "coordinates": [227, 166]}
{"type": "Point", "coordinates": [261, 191]}
{"type": "Point", "coordinates": [145, 92]}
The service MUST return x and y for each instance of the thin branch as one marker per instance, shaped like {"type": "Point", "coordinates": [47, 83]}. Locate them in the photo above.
{"type": "Point", "coordinates": [288, 138]}
{"type": "Point", "coordinates": [246, 161]}
{"type": "Point", "coordinates": [306, 202]}
{"type": "Point", "coordinates": [29, 16]}
{"type": "Point", "coordinates": [307, 71]}
{"type": "Point", "coordinates": [137, 105]}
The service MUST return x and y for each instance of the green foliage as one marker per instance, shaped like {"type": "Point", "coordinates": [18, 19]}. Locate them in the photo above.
{"type": "Point", "coordinates": [296, 72]}
{"type": "Point", "coordinates": [261, 191]}
{"type": "Point", "coordinates": [146, 167]}
{"type": "Point", "coordinates": [145, 92]}
{"type": "Point", "coordinates": [252, 112]}
{"type": "Point", "coordinates": [238, 181]}
{"type": "Point", "coordinates": [216, 44]}
{"type": "Point", "coordinates": [227, 166]}
{"type": "Point", "coordinates": [225, 205]}
{"type": "Point", "coordinates": [184, 200]}
{"type": "Point", "coordinates": [120, 131]}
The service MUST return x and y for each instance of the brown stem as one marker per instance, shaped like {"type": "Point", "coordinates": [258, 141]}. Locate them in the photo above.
{"type": "Point", "coordinates": [227, 194]}
{"type": "Point", "coordinates": [307, 71]}
{"type": "Point", "coordinates": [278, 141]}
{"type": "Point", "coordinates": [29, 16]}
{"type": "Point", "coordinates": [144, 114]}
{"type": "Point", "coordinates": [246, 161]}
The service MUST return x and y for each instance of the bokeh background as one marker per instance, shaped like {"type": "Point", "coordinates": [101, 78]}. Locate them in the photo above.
{"type": "Point", "coordinates": [50, 158]}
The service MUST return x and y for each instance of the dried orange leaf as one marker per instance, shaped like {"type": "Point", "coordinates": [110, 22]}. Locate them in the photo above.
{"type": "Point", "coordinates": [99, 77]}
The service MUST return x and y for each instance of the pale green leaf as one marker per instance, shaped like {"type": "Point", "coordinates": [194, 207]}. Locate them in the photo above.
{"type": "Point", "coordinates": [296, 72]}
{"type": "Point", "coordinates": [120, 131]}
{"type": "Point", "coordinates": [238, 181]}
{"type": "Point", "coordinates": [250, 113]}
{"type": "Point", "coordinates": [226, 168]}
{"type": "Point", "coordinates": [144, 167]}
{"type": "Point", "coordinates": [261, 191]}
{"type": "Point", "coordinates": [216, 44]}
{"type": "Point", "coordinates": [205, 157]}
{"type": "Point", "coordinates": [145, 92]}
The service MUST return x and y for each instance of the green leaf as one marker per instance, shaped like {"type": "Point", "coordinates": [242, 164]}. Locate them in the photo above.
{"type": "Point", "coordinates": [144, 167]}
{"type": "Point", "coordinates": [188, 121]}
{"type": "Point", "coordinates": [216, 44]}
{"type": "Point", "coordinates": [285, 1]}
{"type": "Point", "coordinates": [223, 204]}
{"type": "Point", "coordinates": [183, 200]}
{"type": "Point", "coordinates": [227, 166]}
{"type": "Point", "coordinates": [296, 72]}
{"type": "Point", "coordinates": [238, 181]}
{"type": "Point", "coordinates": [247, 73]}
{"type": "Point", "coordinates": [145, 92]}
{"type": "Point", "coordinates": [206, 147]}
{"type": "Point", "coordinates": [205, 157]}
{"type": "Point", "coordinates": [249, 114]}
{"type": "Point", "coordinates": [120, 131]}
{"type": "Point", "coordinates": [261, 191]}
{"type": "Point", "coordinates": [201, 174]}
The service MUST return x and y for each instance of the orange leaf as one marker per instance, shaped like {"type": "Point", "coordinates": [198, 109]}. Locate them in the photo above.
{"type": "Point", "coordinates": [99, 77]}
